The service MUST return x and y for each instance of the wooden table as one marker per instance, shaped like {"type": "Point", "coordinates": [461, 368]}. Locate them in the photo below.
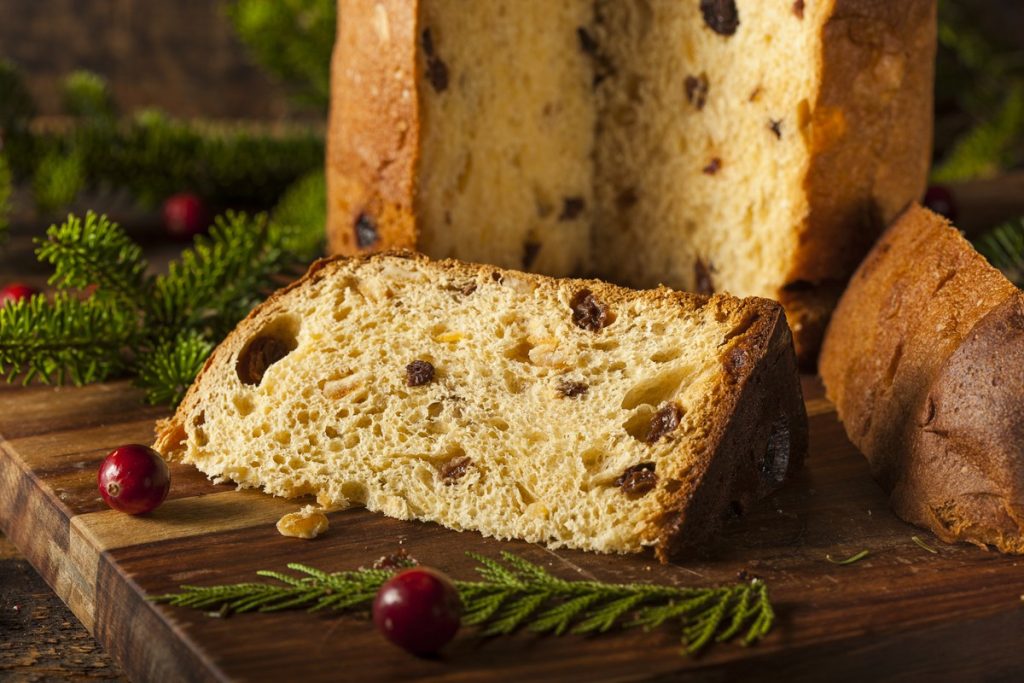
{"type": "Point", "coordinates": [40, 639]}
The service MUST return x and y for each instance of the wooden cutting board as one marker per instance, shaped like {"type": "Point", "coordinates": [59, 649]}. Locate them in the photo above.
{"type": "Point", "coordinates": [901, 613]}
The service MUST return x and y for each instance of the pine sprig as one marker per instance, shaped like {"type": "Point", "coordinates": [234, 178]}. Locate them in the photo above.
{"type": "Point", "coordinates": [515, 594]}
{"type": "Point", "coordinates": [111, 317]}
{"type": "Point", "coordinates": [64, 339]}
{"type": "Point", "coordinates": [167, 369]}
{"type": "Point", "coordinates": [96, 253]}
{"type": "Point", "coordinates": [1003, 246]}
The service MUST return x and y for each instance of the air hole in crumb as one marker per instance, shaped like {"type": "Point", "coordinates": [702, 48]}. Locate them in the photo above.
{"type": "Point", "coordinates": [657, 389]}
{"type": "Point", "coordinates": [243, 404]}
{"type": "Point", "coordinates": [434, 409]}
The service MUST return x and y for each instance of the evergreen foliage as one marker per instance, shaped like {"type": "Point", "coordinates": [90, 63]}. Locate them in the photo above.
{"type": "Point", "coordinates": [516, 594]}
{"type": "Point", "coordinates": [6, 190]}
{"type": "Point", "coordinates": [982, 82]}
{"type": "Point", "coordinates": [292, 39]}
{"type": "Point", "coordinates": [1003, 246]}
{"type": "Point", "coordinates": [111, 317]}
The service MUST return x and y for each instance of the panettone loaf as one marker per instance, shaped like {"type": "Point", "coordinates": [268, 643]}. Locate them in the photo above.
{"type": "Point", "coordinates": [569, 412]}
{"type": "Point", "coordinates": [924, 359]}
{"type": "Point", "coordinates": [749, 146]}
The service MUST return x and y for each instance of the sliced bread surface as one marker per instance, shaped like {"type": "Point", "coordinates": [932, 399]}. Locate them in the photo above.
{"type": "Point", "coordinates": [568, 412]}
{"type": "Point", "coordinates": [742, 146]}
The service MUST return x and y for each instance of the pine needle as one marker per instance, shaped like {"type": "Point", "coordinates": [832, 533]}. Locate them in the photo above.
{"type": "Point", "coordinates": [851, 559]}
{"type": "Point", "coordinates": [922, 544]}
{"type": "Point", "coordinates": [515, 594]}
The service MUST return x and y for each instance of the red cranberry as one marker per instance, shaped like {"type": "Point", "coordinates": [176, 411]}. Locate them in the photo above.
{"type": "Point", "coordinates": [16, 291]}
{"type": "Point", "coordinates": [185, 215]}
{"type": "Point", "coordinates": [418, 610]}
{"type": "Point", "coordinates": [134, 479]}
{"type": "Point", "coordinates": [939, 199]}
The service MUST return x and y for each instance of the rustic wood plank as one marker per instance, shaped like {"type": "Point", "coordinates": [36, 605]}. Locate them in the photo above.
{"type": "Point", "coordinates": [883, 615]}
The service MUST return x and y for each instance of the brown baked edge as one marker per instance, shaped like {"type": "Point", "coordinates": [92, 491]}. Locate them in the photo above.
{"type": "Point", "coordinates": [373, 137]}
{"type": "Point", "coordinates": [743, 462]}
{"type": "Point", "coordinates": [870, 134]}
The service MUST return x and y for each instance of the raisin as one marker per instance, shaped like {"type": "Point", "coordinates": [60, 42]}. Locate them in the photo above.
{"type": "Point", "coordinates": [428, 42]}
{"type": "Point", "coordinates": [638, 480]}
{"type": "Point", "coordinates": [396, 560]}
{"type": "Point", "coordinates": [713, 166]}
{"type": "Point", "coordinates": [260, 354]}
{"type": "Point", "coordinates": [798, 9]}
{"type": "Point", "coordinates": [626, 199]}
{"type": "Point", "coordinates": [702, 276]}
{"type": "Point", "coordinates": [776, 455]}
{"type": "Point", "coordinates": [366, 231]}
{"type": "Point", "coordinates": [468, 289]}
{"type": "Point", "coordinates": [418, 373]}
{"type": "Point", "coordinates": [588, 312]}
{"type": "Point", "coordinates": [775, 127]}
{"type": "Point", "coordinates": [721, 16]}
{"type": "Point", "coordinates": [664, 422]}
{"type": "Point", "coordinates": [572, 207]}
{"type": "Point", "coordinates": [587, 42]}
{"type": "Point", "coordinates": [497, 277]}
{"type": "Point", "coordinates": [571, 388]}
{"type": "Point", "coordinates": [437, 70]}
{"type": "Point", "coordinates": [697, 90]}
{"type": "Point", "coordinates": [530, 250]}
{"type": "Point", "coordinates": [455, 469]}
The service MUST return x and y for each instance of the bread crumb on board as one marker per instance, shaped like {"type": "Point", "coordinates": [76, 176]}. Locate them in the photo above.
{"type": "Point", "coordinates": [309, 522]}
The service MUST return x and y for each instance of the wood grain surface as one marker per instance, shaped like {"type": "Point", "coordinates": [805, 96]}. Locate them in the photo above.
{"type": "Point", "coordinates": [901, 613]}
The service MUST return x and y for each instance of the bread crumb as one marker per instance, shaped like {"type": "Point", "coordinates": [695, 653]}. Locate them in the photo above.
{"type": "Point", "coordinates": [309, 522]}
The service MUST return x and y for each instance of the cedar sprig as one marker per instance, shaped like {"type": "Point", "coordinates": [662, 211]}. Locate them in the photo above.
{"type": "Point", "coordinates": [515, 594]}
{"type": "Point", "coordinates": [1003, 246]}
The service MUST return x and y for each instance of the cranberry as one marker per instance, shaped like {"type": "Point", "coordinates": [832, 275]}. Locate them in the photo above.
{"type": "Point", "coordinates": [939, 199]}
{"type": "Point", "coordinates": [185, 215]}
{"type": "Point", "coordinates": [133, 479]}
{"type": "Point", "coordinates": [418, 610]}
{"type": "Point", "coordinates": [16, 291]}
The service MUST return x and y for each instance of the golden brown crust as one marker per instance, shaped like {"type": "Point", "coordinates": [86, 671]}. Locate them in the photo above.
{"type": "Point", "coordinates": [759, 384]}
{"type": "Point", "coordinates": [759, 440]}
{"type": "Point", "coordinates": [906, 339]}
{"type": "Point", "coordinates": [871, 136]}
{"type": "Point", "coordinates": [972, 413]}
{"type": "Point", "coordinates": [373, 131]}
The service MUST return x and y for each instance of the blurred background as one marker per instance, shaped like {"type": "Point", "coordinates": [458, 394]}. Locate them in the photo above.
{"type": "Point", "coordinates": [164, 115]}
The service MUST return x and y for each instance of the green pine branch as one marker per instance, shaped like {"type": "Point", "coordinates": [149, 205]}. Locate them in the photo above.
{"type": "Point", "coordinates": [166, 369]}
{"type": "Point", "coordinates": [95, 254]}
{"type": "Point", "coordinates": [65, 338]}
{"type": "Point", "coordinates": [1003, 246]}
{"type": "Point", "coordinates": [110, 317]}
{"type": "Point", "coordinates": [988, 147]}
{"type": "Point", "coordinates": [293, 40]}
{"type": "Point", "coordinates": [515, 594]}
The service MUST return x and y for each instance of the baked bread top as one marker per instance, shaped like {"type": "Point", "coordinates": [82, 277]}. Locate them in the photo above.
{"type": "Point", "coordinates": [568, 412]}
{"type": "Point", "coordinates": [750, 147]}
{"type": "Point", "coordinates": [923, 360]}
